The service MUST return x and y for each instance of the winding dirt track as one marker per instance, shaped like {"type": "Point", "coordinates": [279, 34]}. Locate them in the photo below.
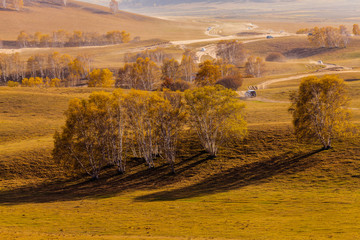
{"type": "Point", "coordinates": [265, 84]}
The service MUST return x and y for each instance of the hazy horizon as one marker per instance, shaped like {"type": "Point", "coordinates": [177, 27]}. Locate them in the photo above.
{"type": "Point", "coordinates": [324, 9]}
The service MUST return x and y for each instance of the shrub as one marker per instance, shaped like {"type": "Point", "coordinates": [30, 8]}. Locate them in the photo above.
{"type": "Point", "coordinates": [275, 57]}
{"type": "Point", "coordinates": [178, 85]}
{"type": "Point", "coordinates": [12, 84]}
{"type": "Point", "coordinates": [230, 82]}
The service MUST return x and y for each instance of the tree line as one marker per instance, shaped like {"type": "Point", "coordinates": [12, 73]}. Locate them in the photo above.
{"type": "Point", "coordinates": [109, 128]}
{"type": "Point", "coordinates": [148, 70]}
{"type": "Point", "coordinates": [329, 37]}
{"type": "Point", "coordinates": [152, 69]}
{"type": "Point", "coordinates": [12, 4]}
{"type": "Point", "coordinates": [62, 38]}
{"type": "Point", "coordinates": [54, 65]}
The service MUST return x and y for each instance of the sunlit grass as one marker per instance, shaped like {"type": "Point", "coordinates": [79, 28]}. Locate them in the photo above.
{"type": "Point", "coordinates": [266, 187]}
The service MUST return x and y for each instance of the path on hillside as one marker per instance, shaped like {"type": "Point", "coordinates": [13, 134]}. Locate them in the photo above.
{"type": "Point", "coordinates": [265, 84]}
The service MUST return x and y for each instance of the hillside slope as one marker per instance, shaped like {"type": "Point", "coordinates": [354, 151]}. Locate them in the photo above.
{"type": "Point", "coordinates": [47, 16]}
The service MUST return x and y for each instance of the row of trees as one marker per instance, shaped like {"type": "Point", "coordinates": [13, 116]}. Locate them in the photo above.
{"type": "Point", "coordinates": [39, 82]}
{"type": "Point", "coordinates": [355, 30]}
{"type": "Point", "coordinates": [158, 55]}
{"type": "Point", "coordinates": [329, 37]}
{"type": "Point", "coordinates": [107, 129]}
{"type": "Point", "coordinates": [97, 78]}
{"type": "Point", "coordinates": [62, 38]}
{"type": "Point", "coordinates": [152, 69]}
{"type": "Point", "coordinates": [54, 65]}
{"type": "Point", "coordinates": [12, 4]}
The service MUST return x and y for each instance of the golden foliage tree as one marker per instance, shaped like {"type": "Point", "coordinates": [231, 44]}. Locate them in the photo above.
{"type": "Point", "coordinates": [101, 78]}
{"type": "Point", "coordinates": [144, 74]}
{"type": "Point", "coordinates": [170, 114]}
{"type": "Point", "coordinates": [209, 72]}
{"type": "Point", "coordinates": [188, 66]}
{"type": "Point", "coordinates": [254, 67]}
{"type": "Point", "coordinates": [356, 29]}
{"type": "Point", "coordinates": [93, 135]}
{"type": "Point", "coordinates": [319, 110]}
{"type": "Point", "coordinates": [329, 37]}
{"type": "Point", "coordinates": [170, 69]}
{"type": "Point", "coordinates": [231, 51]}
{"type": "Point", "coordinates": [216, 115]}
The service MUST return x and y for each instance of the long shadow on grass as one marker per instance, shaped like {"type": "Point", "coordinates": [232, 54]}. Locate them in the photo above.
{"type": "Point", "coordinates": [238, 177]}
{"type": "Point", "coordinates": [110, 183]}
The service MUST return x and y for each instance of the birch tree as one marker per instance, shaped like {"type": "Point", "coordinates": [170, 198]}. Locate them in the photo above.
{"type": "Point", "coordinates": [254, 67]}
{"type": "Point", "coordinates": [169, 115]}
{"type": "Point", "coordinates": [319, 110]}
{"type": "Point", "coordinates": [114, 6]}
{"type": "Point", "coordinates": [142, 124]}
{"type": "Point", "coordinates": [77, 145]}
{"type": "Point", "coordinates": [216, 115]}
{"type": "Point", "coordinates": [231, 51]}
{"type": "Point", "coordinates": [188, 66]}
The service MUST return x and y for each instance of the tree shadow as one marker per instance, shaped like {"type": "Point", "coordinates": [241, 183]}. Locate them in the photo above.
{"type": "Point", "coordinates": [109, 183]}
{"type": "Point", "coordinates": [308, 52]}
{"type": "Point", "coordinates": [238, 177]}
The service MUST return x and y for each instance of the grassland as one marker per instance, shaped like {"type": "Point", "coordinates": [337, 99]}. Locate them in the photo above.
{"type": "Point", "coordinates": [267, 187]}
{"type": "Point", "coordinates": [47, 16]}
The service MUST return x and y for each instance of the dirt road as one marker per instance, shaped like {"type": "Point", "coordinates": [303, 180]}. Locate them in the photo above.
{"type": "Point", "coordinates": [265, 84]}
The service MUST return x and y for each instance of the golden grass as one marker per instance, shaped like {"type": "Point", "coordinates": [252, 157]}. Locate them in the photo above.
{"type": "Point", "coordinates": [266, 187]}
{"type": "Point", "coordinates": [91, 18]}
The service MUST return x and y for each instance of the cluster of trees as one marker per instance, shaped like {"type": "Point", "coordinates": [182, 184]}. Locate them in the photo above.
{"type": "Point", "coordinates": [39, 82]}
{"type": "Point", "coordinates": [329, 37]}
{"type": "Point", "coordinates": [158, 55]}
{"type": "Point", "coordinates": [254, 67]}
{"type": "Point", "coordinates": [64, 67]}
{"type": "Point", "coordinates": [145, 74]}
{"type": "Point", "coordinates": [62, 38]}
{"type": "Point", "coordinates": [97, 78]}
{"type": "Point", "coordinates": [153, 70]}
{"type": "Point", "coordinates": [233, 54]}
{"type": "Point", "coordinates": [109, 128]}
{"type": "Point", "coordinates": [12, 4]}
{"type": "Point", "coordinates": [355, 30]}
{"type": "Point", "coordinates": [11, 67]}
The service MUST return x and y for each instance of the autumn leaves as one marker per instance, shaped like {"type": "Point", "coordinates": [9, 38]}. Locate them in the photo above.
{"type": "Point", "coordinates": [108, 129]}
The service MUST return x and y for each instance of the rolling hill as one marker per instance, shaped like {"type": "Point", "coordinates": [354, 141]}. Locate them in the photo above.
{"type": "Point", "coordinates": [303, 10]}
{"type": "Point", "coordinates": [48, 16]}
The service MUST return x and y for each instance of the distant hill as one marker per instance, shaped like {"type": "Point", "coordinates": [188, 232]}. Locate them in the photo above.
{"type": "Point", "coordinates": [49, 15]}
{"type": "Point", "coordinates": [151, 3]}
{"type": "Point", "coordinates": [303, 10]}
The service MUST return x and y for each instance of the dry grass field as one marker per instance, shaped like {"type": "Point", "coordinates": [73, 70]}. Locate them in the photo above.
{"type": "Point", "coordinates": [268, 186]}
{"type": "Point", "coordinates": [47, 17]}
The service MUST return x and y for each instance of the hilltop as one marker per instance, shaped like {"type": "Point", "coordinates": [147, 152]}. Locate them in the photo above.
{"type": "Point", "coordinates": [48, 16]}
